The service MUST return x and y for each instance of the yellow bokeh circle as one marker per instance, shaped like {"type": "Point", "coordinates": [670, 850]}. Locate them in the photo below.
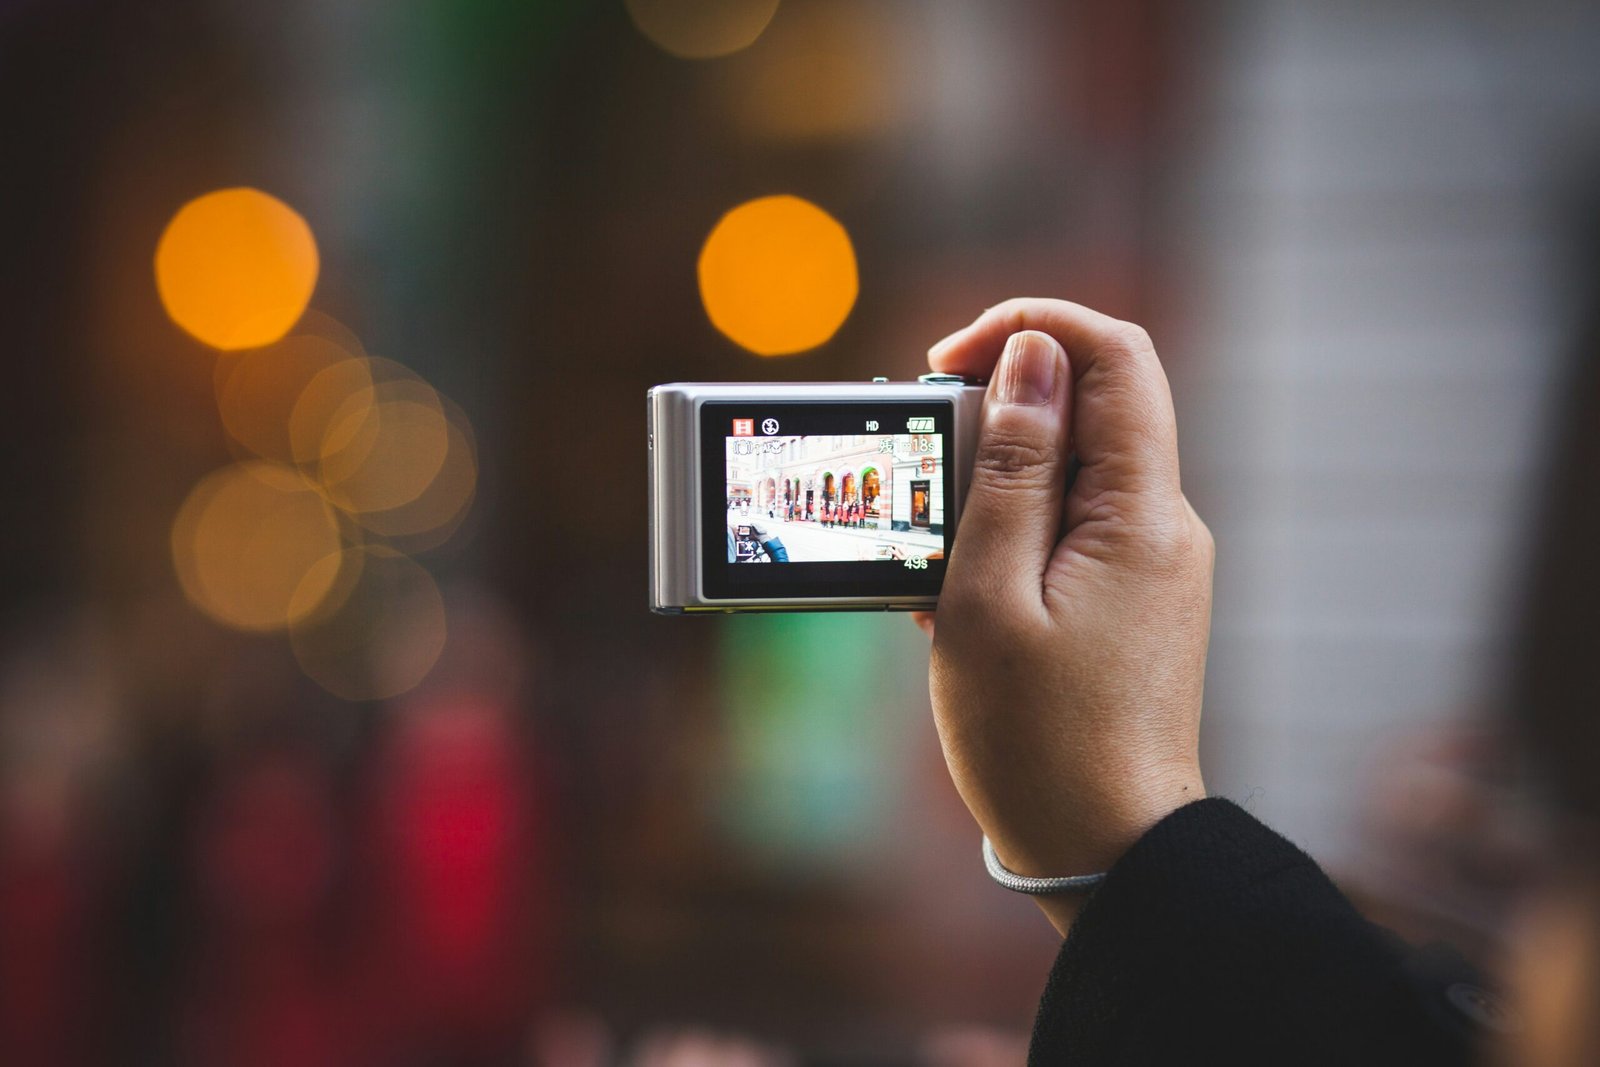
{"type": "Point", "coordinates": [329, 398]}
{"type": "Point", "coordinates": [778, 275]}
{"type": "Point", "coordinates": [701, 29]}
{"type": "Point", "coordinates": [384, 446]}
{"type": "Point", "coordinates": [434, 515]}
{"type": "Point", "coordinates": [236, 268]}
{"type": "Point", "coordinates": [384, 636]}
{"type": "Point", "coordinates": [259, 389]}
{"type": "Point", "coordinates": [821, 75]}
{"type": "Point", "coordinates": [370, 432]}
{"type": "Point", "coordinates": [255, 547]}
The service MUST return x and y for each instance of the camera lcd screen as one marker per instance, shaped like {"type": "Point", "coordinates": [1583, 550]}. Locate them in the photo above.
{"type": "Point", "coordinates": [824, 499]}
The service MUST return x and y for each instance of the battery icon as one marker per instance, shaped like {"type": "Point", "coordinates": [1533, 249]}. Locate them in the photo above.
{"type": "Point", "coordinates": [919, 425]}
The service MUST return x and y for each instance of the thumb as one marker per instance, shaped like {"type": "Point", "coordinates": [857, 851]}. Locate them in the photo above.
{"type": "Point", "coordinates": [1123, 428]}
{"type": "Point", "coordinates": [1011, 519]}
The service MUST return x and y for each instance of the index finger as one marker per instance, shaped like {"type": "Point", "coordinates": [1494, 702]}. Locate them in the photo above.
{"type": "Point", "coordinates": [1122, 415]}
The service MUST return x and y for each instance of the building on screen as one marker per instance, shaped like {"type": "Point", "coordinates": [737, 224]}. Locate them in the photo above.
{"type": "Point", "coordinates": [898, 479]}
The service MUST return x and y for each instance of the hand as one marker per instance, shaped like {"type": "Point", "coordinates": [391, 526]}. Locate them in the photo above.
{"type": "Point", "coordinates": [1070, 645]}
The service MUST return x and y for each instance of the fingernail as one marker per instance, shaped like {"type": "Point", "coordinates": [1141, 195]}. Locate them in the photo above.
{"type": "Point", "coordinates": [1027, 370]}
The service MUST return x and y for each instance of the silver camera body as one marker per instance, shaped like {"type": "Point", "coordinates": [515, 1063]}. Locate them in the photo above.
{"type": "Point", "coordinates": [833, 496]}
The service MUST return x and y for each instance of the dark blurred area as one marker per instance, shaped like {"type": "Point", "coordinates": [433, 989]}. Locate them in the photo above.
{"type": "Point", "coordinates": [402, 771]}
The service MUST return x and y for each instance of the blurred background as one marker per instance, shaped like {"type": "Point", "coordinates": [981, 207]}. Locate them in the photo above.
{"type": "Point", "coordinates": [333, 726]}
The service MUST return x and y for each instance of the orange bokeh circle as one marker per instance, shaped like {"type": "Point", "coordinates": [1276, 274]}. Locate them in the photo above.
{"type": "Point", "coordinates": [778, 275]}
{"type": "Point", "coordinates": [236, 268]}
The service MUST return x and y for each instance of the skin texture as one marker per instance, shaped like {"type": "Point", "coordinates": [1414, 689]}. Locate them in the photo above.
{"type": "Point", "coordinates": [1069, 647]}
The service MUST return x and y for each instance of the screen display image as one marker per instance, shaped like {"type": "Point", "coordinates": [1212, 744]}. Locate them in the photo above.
{"type": "Point", "coordinates": [851, 496]}
{"type": "Point", "coordinates": [828, 498]}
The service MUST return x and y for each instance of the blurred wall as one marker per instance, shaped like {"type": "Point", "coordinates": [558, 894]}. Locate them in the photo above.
{"type": "Point", "coordinates": [1375, 217]}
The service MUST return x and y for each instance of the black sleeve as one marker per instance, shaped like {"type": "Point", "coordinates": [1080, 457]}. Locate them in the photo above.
{"type": "Point", "coordinates": [1214, 940]}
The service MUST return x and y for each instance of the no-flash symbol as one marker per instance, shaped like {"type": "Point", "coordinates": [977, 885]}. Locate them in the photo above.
{"type": "Point", "coordinates": [769, 426]}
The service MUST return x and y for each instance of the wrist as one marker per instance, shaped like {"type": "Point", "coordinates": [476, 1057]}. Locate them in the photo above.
{"type": "Point", "coordinates": [1089, 838]}
{"type": "Point", "coordinates": [1081, 835]}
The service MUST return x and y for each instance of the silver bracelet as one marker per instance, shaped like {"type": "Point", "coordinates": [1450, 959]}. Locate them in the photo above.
{"type": "Point", "coordinates": [1021, 883]}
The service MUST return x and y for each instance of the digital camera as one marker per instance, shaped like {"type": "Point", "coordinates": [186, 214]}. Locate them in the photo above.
{"type": "Point", "coordinates": [831, 496]}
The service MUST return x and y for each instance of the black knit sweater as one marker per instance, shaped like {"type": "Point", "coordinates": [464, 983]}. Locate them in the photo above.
{"type": "Point", "coordinates": [1214, 940]}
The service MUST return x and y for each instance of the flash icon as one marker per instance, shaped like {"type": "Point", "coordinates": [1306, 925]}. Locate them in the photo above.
{"type": "Point", "coordinates": [769, 426]}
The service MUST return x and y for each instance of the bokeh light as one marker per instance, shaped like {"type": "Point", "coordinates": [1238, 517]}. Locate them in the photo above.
{"type": "Point", "coordinates": [318, 323]}
{"type": "Point", "coordinates": [778, 275]}
{"type": "Point", "coordinates": [339, 437]}
{"type": "Point", "coordinates": [435, 515]}
{"type": "Point", "coordinates": [330, 397]}
{"type": "Point", "coordinates": [824, 73]}
{"type": "Point", "coordinates": [259, 389]}
{"type": "Point", "coordinates": [702, 29]}
{"type": "Point", "coordinates": [255, 547]}
{"type": "Point", "coordinates": [384, 446]}
{"type": "Point", "coordinates": [236, 268]}
{"type": "Point", "coordinates": [386, 633]}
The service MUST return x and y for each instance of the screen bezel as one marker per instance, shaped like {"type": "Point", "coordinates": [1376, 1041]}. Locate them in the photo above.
{"type": "Point", "coordinates": [721, 580]}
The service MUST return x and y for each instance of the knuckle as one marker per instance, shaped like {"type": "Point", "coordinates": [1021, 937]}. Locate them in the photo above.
{"type": "Point", "coordinates": [1132, 337]}
{"type": "Point", "coordinates": [1009, 459]}
{"type": "Point", "coordinates": [1168, 547]}
{"type": "Point", "coordinates": [1205, 543]}
{"type": "Point", "coordinates": [1013, 312]}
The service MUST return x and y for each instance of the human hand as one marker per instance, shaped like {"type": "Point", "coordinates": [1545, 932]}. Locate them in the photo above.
{"type": "Point", "coordinates": [1069, 645]}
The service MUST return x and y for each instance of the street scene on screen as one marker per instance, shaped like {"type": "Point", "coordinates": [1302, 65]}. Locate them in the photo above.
{"type": "Point", "coordinates": [835, 498]}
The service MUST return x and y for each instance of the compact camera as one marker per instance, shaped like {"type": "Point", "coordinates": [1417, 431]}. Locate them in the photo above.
{"type": "Point", "coordinates": [806, 497]}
